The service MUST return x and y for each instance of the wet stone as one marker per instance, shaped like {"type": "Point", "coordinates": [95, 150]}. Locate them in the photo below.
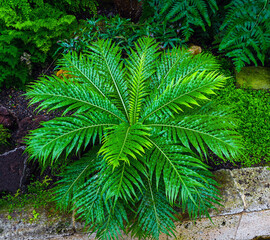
{"type": "Point", "coordinates": [12, 169]}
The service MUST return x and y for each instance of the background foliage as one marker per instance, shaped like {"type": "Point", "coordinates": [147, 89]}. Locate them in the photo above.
{"type": "Point", "coordinates": [240, 28]}
{"type": "Point", "coordinates": [121, 31]}
{"type": "Point", "coordinates": [29, 31]}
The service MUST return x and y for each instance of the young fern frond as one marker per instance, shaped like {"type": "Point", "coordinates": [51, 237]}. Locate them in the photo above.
{"type": "Point", "coordinates": [123, 142]}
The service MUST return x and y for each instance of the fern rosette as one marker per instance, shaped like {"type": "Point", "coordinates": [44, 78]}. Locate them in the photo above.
{"type": "Point", "coordinates": [151, 117]}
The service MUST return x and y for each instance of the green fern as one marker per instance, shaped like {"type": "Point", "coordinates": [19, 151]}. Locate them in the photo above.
{"type": "Point", "coordinates": [246, 32]}
{"type": "Point", "coordinates": [146, 114]}
{"type": "Point", "coordinates": [189, 13]}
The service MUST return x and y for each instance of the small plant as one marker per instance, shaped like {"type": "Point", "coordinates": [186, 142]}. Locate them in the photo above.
{"type": "Point", "coordinates": [4, 135]}
{"type": "Point", "coordinates": [121, 31]}
{"type": "Point", "coordinates": [149, 114]}
{"type": "Point", "coordinates": [35, 216]}
{"type": "Point", "coordinates": [37, 196]}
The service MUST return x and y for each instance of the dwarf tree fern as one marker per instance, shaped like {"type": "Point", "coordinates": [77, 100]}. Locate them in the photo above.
{"type": "Point", "coordinates": [150, 116]}
{"type": "Point", "coordinates": [246, 32]}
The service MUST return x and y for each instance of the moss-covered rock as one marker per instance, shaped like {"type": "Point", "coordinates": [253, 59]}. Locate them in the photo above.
{"type": "Point", "coordinates": [253, 77]}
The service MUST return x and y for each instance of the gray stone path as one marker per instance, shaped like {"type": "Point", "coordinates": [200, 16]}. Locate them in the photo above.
{"type": "Point", "coordinates": [245, 215]}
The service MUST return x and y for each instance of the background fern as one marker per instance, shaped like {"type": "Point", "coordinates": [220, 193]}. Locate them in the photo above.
{"type": "Point", "coordinates": [246, 32]}
{"type": "Point", "coordinates": [187, 13]}
{"type": "Point", "coordinates": [29, 32]}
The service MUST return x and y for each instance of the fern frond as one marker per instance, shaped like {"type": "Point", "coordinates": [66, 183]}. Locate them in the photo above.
{"type": "Point", "coordinates": [103, 216]}
{"type": "Point", "coordinates": [124, 181]}
{"type": "Point", "coordinates": [108, 62]}
{"type": "Point", "coordinates": [194, 130]}
{"type": "Point", "coordinates": [185, 93]}
{"type": "Point", "coordinates": [52, 93]}
{"type": "Point", "coordinates": [64, 135]}
{"type": "Point", "coordinates": [246, 36]}
{"type": "Point", "coordinates": [124, 141]}
{"type": "Point", "coordinates": [180, 168]}
{"type": "Point", "coordinates": [82, 68]}
{"type": "Point", "coordinates": [141, 66]}
{"type": "Point", "coordinates": [154, 215]}
{"type": "Point", "coordinates": [189, 12]}
{"type": "Point", "coordinates": [74, 176]}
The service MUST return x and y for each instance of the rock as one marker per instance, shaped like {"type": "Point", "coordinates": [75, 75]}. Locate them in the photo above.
{"type": "Point", "coordinates": [27, 124]}
{"type": "Point", "coordinates": [12, 169]}
{"type": "Point", "coordinates": [254, 186]}
{"type": "Point", "coordinates": [232, 202]}
{"type": "Point", "coordinates": [194, 50]}
{"type": "Point", "coordinates": [7, 118]}
{"type": "Point", "coordinates": [254, 77]}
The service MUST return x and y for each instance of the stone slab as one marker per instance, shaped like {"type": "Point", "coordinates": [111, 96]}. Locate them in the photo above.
{"type": "Point", "coordinates": [232, 202]}
{"type": "Point", "coordinates": [222, 228]}
{"type": "Point", "coordinates": [253, 225]}
{"type": "Point", "coordinates": [19, 225]}
{"type": "Point", "coordinates": [254, 184]}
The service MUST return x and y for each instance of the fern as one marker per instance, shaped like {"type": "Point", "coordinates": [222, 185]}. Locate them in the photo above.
{"type": "Point", "coordinates": [145, 113]}
{"type": "Point", "coordinates": [189, 13]}
{"type": "Point", "coordinates": [246, 32]}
